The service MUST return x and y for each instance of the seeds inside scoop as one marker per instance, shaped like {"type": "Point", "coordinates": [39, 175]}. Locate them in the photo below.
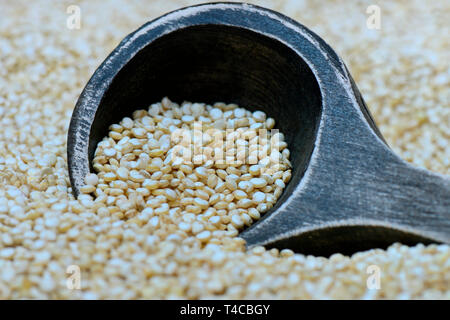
{"type": "Point", "coordinates": [210, 169]}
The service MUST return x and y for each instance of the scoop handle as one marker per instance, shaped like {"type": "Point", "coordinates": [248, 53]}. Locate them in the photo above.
{"type": "Point", "coordinates": [415, 198]}
{"type": "Point", "coordinates": [366, 208]}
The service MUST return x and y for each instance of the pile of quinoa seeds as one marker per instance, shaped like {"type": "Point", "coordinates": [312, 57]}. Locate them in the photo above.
{"type": "Point", "coordinates": [140, 230]}
{"type": "Point", "coordinates": [191, 170]}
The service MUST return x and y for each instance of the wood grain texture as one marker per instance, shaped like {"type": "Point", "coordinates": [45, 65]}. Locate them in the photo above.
{"type": "Point", "coordinates": [349, 191]}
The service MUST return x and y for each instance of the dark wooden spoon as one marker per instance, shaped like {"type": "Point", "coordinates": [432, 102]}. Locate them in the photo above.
{"type": "Point", "coordinates": [349, 191]}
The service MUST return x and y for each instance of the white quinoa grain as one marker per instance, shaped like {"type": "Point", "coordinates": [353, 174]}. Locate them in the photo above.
{"type": "Point", "coordinates": [110, 152]}
{"type": "Point", "coordinates": [259, 197]}
{"type": "Point", "coordinates": [216, 114]}
{"type": "Point", "coordinates": [237, 222]}
{"type": "Point", "coordinates": [87, 189]}
{"type": "Point", "coordinates": [204, 235]}
{"type": "Point", "coordinates": [259, 116]}
{"type": "Point", "coordinates": [91, 179]}
{"type": "Point", "coordinates": [6, 253]}
{"type": "Point", "coordinates": [258, 182]}
{"type": "Point", "coordinates": [127, 123]}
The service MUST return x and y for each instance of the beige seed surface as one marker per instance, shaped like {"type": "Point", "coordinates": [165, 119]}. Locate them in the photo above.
{"type": "Point", "coordinates": [127, 251]}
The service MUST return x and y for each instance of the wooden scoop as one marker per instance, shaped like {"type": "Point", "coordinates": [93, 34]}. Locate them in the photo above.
{"type": "Point", "coordinates": [348, 192]}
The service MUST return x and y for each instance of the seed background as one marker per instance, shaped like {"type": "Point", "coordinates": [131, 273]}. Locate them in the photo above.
{"type": "Point", "coordinates": [402, 71]}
